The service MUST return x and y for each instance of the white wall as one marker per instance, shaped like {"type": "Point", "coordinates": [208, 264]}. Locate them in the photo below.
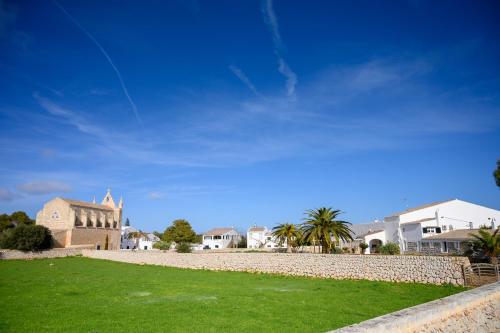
{"type": "Point", "coordinates": [222, 243]}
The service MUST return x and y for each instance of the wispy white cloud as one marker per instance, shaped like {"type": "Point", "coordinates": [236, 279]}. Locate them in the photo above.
{"type": "Point", "coordinates": [155, 195]}
{"type": "Point", "coordinates": [106, 55]}
{"type": "Point", "coordinates": [272, 22]}
{"type": "Point", "coordinates": [344, 109]}
{"type": "Point", "coordinates": [6, 194]}
{"type": "Point", "coordinates": [291, 77]}
{"type": "Point", "coordinates": [44, 187]}
{"type": "Point", "coordinates": [242, 76]}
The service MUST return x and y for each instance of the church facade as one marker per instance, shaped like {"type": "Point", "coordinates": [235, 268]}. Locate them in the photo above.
{"type": "Point", "coordinates": [76, 223]}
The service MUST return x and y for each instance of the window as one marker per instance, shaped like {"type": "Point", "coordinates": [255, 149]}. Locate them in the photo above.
{"type": "Point", "coordinates": [145, 247]}
{"type": "Point", "coordinates": [55, 215]}
{"type": "Point", "coordinates": [431, 230]}
{"type": "Point", "coordinates": [98, 247]}
{"type": "Point", "coordinates": [444, 228]}
{"type": "Point", "coordinates": [216, 246]}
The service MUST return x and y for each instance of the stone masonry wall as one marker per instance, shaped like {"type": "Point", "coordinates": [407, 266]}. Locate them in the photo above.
{"type": "Point", "coordinates": [422, 269]}
{"type": "Point", "coordinates": [54, 253]}
{"type": "Point", "coordinates": [476, 310]}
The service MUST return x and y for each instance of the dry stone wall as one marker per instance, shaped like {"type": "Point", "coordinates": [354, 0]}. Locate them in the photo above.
{"type": "Point", "coordinates": [422, 269]}
{"type": "Point", "coordinates": [476, 310]}
{"type": "Point", "coordinates": [54, 253]}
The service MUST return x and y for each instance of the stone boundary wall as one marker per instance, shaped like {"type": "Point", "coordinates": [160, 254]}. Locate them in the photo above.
{"type": "Point", "coordinates": [422, 269]}
{"type": "Point", "coordinates": [54, 253]}
{"type": "Point", "coordinates": [476, 310]}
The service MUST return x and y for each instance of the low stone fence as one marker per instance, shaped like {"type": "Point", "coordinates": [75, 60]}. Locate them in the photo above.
{"type": "Point", "coordinates": [476, 310]}
{"type": "Point", "coordinates": [54, 253]}
{"type": "Point", "coordinates": [422, 269]}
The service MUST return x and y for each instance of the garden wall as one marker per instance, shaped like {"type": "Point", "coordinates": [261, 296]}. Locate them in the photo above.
{"type": "Point", "coordinates": [423, 269]}
{"type": "Point", "coordinates": [54, 253]}
{"type": "Point", "coordinates": [476, 310]}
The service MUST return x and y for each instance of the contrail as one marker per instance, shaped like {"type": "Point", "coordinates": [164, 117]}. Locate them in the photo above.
{"type": "Point", "coordinates": [272, 22]}
{"type": "Point", "coordinates": [103, 51]}
{"type": "Point", "coordinates": [240, 75]}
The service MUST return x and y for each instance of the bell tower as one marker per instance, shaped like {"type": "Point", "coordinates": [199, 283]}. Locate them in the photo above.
{"type": "Point", "coordinates": [108, 200]}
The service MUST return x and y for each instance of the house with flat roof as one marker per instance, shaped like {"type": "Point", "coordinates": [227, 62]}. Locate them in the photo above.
{"type": "Point", "coordinates": [220, 238]}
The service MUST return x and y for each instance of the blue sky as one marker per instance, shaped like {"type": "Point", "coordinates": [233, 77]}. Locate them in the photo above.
{"type": "Point", "coordinates": [249, 112]}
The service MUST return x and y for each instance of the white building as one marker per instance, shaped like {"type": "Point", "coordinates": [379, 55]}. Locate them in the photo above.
{"type": "Point", "coordinates": [145, 242]}
{"type": "Point", "coordinates": [261, 237]}
{"type": "Point", "coordinates": [411, 227]}
{"type": "Point", "coordinates": [220, 238]}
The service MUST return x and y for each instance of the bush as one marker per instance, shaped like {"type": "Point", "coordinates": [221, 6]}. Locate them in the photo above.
{"type": "Point", "coordinates": [363, 247]}
{"type": "Point", "coordinates": [389, 248]}
{"type": "Point", "coordinates": [183, 248]}
{"type": "Point", "coordinates": [162, 245]}
{"type": "Point", "coordinates": [336, 250]}
{"type": "Point", "coordinates": [26, 237]}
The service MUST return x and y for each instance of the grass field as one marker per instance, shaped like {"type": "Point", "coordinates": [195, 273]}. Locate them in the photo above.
{"type": "Point", "coordinates": [87, 295]}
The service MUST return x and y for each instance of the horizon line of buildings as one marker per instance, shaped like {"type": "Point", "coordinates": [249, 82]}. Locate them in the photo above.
{"type": "Point", "coordinates": [439, 227]}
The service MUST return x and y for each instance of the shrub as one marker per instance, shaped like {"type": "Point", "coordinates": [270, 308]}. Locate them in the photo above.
{"type": "Point", "coordinates": [27, 238]}
{"type": "Point", "coordinates": [183, 248]}
{"type": "Point", "coordinates": [162, 245]}
{"type": "Point", "coordinates": [389, 248]}
{"type": "Point", "coordinates": [336, 250]}
{"type": "Point", "coordinates": [363, 247]}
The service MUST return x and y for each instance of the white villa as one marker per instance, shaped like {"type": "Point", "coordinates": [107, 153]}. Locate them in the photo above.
{"type": "Point", "coordinates": [145, 242]}
{"type": "Point", "coordinates": [417, 229]}
{"type": "Point", "coordinates": [220, 238]}
{"type": "Point", "coordinates": [261, 237]}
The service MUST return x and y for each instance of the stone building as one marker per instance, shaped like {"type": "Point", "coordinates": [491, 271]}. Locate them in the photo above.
{"type": "Point", "coordinates": [79, 223]}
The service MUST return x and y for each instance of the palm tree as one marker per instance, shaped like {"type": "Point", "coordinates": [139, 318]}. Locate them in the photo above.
{"type": "Point", "coordinates": [286, 232]}
{"type": "Point", "coordinates": [321, 225]}
{"type": "Point", "coordinates": [489, 242]}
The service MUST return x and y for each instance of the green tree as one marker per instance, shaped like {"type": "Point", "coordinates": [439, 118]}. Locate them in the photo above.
{"type": "Point", "coordinates": [286, 232]}
{"type": "Point", "coordinates": [21, 217]}
{"type": "Point", "coordinates": [16, 218]}
{"type": "Point", "coordinates": [127, 222]}
{"type": "Point", "coordinates": [179, 232]}
{"type": "Point", "coordinates": [496, 173]}
{"type": "Point", "coordinates": [488, 242]}
{"type": "Point", "coordinates": [321, 224]}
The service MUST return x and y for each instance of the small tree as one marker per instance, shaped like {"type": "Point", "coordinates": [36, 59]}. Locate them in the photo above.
{"type": "Point", "coordinates": [106, 243]}
{"type": "Point", "coordinates": [390, 248]}
{"type": "Point", "coordinates": [179, 232]}
{"type": "Point", "coordinates": [242, 242]}
{"type": "Point", "coordinates": [183, 248]}
{"type": "Point", "coordinates": [496, 174]}
{"type": "Point", "coordinates": [363, 246]}
{"type": "Point", "coordinates": [489, 243]}
{"type": "Point", "coordinates": [127, 222]}
{"type": "Point", "coordinates": [286, 232]}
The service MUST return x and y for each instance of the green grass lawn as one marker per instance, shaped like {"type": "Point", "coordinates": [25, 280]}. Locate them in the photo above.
{"type": "Point", "coordinates": [87, 295]}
